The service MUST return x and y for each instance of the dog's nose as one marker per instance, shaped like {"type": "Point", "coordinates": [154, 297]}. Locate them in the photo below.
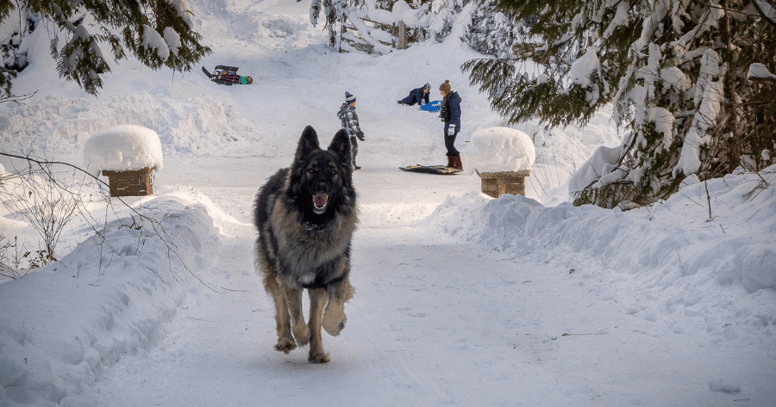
{"type": "Point", "coordinates": [322, 188]}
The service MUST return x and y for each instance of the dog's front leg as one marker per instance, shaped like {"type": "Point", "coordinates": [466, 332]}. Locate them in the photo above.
{"type": "Point", "coordinates": [318, 298]}
{"type": "Point", "coordinates": [285, 340]}
{"type": "Point", "coordinates": [294, 298]}
{"type": "Point", "coordinates": [334, 317]}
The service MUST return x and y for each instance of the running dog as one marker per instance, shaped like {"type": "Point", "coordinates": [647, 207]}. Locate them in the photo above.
{"type": "Point", "coordinates": [306, 215]}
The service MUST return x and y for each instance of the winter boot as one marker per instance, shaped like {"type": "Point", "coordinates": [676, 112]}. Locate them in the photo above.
{"type": "Point", "coordinates": [455, 162]}
{"type": "Point", "coordinates": [450, 161]}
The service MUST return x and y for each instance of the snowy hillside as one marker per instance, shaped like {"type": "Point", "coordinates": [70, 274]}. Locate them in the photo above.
{"type": "Point", "coordinates": [460, 300]}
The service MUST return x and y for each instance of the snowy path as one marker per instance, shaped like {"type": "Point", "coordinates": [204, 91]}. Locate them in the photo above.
{"type": "Point", "coordinates": [407, 337]}
{"type": "Point", "coordinates": [427, 327]}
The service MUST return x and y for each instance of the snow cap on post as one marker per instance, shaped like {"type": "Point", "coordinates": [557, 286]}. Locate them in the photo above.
{"type": "Point", "coordinates": [499, 149]}
{"type": "Point", "coordinates": [123, 148]}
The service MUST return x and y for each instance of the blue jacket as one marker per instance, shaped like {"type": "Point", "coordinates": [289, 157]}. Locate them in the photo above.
{"type": "Point", "coordinates": [450, 113]}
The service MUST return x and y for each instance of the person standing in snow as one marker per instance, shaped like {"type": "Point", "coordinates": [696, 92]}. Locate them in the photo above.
{"type": "Point", "coordinates": [347, 114]}
{"type": "Point", "coordinates": [450, 113]}
{"type": "Point", "coordinates": [419, 96]}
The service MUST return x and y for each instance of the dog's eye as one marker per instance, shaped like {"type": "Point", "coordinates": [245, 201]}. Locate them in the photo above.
{"type": "Point", "coordinates": [311, 171]}
{"type": "Point", "coordinates": [333, 172]}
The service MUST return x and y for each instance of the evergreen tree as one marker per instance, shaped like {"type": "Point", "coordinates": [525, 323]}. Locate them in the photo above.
{"type": "Point", "coordinates": [157, 32]}
{"type": "Point", "coordinates": [435, 18]}
{"type": "Point", "coordinates": [679, 73]}
{"type": "Point", "coordinates": [493, 32]}
{"type": "Point", "coordinates": [332, 12]}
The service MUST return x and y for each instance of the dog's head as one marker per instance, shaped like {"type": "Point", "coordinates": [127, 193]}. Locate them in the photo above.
{"type": "Point", "coordinates": [321, 181]}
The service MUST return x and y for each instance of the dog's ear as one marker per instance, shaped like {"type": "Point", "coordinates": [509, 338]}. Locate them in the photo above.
{"type": "Point", "coordinates": [307, 143]}
{"type": "Point", "coordinates": [340, 147]}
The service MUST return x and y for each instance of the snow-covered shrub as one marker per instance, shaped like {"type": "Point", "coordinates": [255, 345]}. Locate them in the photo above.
{"type": "Point", "coordinates": [36, 196]}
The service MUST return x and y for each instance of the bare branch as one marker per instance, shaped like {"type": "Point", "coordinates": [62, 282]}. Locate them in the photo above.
{"type": "Point", "coordinates": [156, 225]}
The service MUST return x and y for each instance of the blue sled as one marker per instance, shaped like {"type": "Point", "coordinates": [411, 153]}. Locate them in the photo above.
{"type": "Point", "coordinates": [432, 106]}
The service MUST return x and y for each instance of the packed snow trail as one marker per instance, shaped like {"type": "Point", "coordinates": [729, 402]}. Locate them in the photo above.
{"type": "Point", "coordinates": [434, 322]}
{"type": "Point", "coordinates": [408, 334]}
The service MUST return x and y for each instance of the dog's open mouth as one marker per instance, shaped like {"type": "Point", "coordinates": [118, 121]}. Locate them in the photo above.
{"type": "Point", "coordinates": [319, 203]}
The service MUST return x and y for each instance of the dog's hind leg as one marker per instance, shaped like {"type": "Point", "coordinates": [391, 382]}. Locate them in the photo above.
{"type": "Point", "coordinates": [294, 299]}
{"type": "Point", "coordinates": [334, 317]}
{"type": "Point", "coordinates": [285, 340]}
{"type": "Point", "coordinates": [318, 299]}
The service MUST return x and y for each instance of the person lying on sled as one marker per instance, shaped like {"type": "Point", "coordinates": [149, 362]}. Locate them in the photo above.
{"type": "Point", "coordinates": [231, 76]}
{"type": "Point", "coordinates": [419, 95]}
{"type": "Point", "coordinates": [227, 75]}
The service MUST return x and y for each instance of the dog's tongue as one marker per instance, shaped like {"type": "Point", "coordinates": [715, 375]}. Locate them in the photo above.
{"type": "Point", "coordinates": [320, 201]}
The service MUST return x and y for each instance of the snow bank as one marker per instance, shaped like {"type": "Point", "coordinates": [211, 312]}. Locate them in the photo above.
{"type": "Point", "coordinates": [497, 149]}
{"type": "Point", "coordinates": [61, 126]}
{"type": "Point", "coordinates": [123, 148]}
{"type": "Point", "coordinates": [719, 273]}
{"type": "Point", "coordinates": [97, 305]}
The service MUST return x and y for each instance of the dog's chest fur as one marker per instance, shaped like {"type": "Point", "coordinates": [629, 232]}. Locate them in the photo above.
{"type": "Point", "coordinates": [308, 255]}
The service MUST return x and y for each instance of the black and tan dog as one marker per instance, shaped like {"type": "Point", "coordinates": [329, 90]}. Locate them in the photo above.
{"type": "Point", "coordinates": [306, 216]}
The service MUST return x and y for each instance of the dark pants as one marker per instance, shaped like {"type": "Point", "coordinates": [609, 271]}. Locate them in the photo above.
{"type": "Point", "coordinates": [354, 148]}
{"type": "Point", "coordinates": [410, 100]}
{"type": "Point", "coordinates": [450, 144]}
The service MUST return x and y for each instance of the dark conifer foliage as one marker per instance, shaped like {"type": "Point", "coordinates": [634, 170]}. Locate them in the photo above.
{"type": "Point", "coordinates": [156, 32]}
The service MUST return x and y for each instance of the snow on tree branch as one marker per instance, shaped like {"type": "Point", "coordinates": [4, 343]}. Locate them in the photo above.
{"type": "Point", "coordinates": [759, 71]}
{"type": "Point", "coordinates": [767, 11]}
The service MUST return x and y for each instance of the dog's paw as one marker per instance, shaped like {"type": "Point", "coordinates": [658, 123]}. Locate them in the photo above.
{"type": "Point", "coordinates": [334, 319]}
{"type": "Point", "coordinates": [285, 346]}
{"type": "Point", "coordinates": [318, 357]}
{"type": "Point", "coordinates": [334, 328]}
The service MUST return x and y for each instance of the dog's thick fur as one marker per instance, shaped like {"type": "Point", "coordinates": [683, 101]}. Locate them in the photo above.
{"type": "Point", "coordinates": [306, 216]}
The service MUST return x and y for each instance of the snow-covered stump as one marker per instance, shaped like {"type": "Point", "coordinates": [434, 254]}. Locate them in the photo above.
{"type": "Point", "coordinates": [499, 183]}
{"type": "Point", "coordinates": [127, 155]}
{"type": "Point", "coordinates": [502, 157]}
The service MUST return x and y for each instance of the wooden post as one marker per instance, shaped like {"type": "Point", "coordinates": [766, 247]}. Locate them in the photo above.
{"type": "Point", "coordinates": [402, 35]}
{"type": "Point", "coordinates": [130, 183]}
{"type": "Point", "coordinates": [505, 182]}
